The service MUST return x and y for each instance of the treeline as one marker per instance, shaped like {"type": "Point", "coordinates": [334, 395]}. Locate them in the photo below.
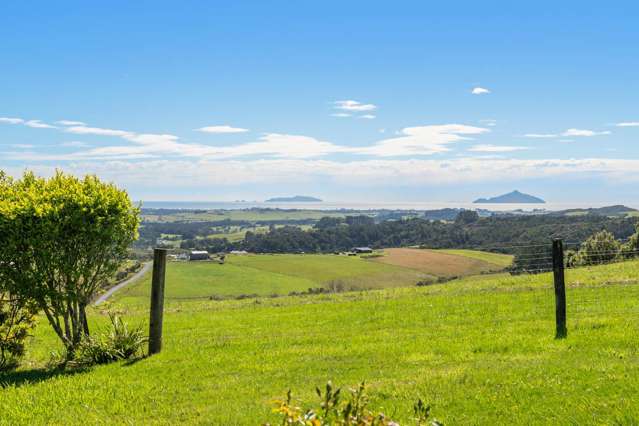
{"type": "Point", "coordinates": [150, 232]}
{"type": "Point", "coordinates": [498, 233]}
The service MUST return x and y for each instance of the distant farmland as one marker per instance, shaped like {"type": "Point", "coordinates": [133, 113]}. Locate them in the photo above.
{"type": "Point", "coordinates": [445, 263]}
{"type": "Point", "coordinates": [281, 274]}
{"type": "Point", "coordinates": [266, 275]}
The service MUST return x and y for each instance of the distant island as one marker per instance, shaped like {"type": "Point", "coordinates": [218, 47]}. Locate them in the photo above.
{"type": "Point", "coordinates": [294, 199]}
{"type": "Point", "coordinates": [514, 197]}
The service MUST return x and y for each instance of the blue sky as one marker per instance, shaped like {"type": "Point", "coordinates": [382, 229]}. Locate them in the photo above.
{"type": "Point", "coordinates": [364, 101]}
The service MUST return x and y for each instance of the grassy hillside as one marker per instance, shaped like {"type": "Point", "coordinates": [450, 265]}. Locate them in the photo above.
{"type": "Point", "coordinates": [187, 280]}
{"type": "Point", "coordinates": [266, 275]}
{"type": "Point", "coordinates": [480, 350]}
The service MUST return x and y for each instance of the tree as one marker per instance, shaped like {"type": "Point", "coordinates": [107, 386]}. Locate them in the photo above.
{"type": "Point", "coordinates": [466, 216]}
{"type": "Point", "coordinates": [602, 247]}
{"type": "Point", "coordinates": [631, 248]}
{"type": "Point", "coordinates": [60, 240]}
{"type": "Point", "coordinates": [329, 222]}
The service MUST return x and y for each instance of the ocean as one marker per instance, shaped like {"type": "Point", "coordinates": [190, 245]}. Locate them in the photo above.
{"type": "Point", "coordinates": [238, 205]}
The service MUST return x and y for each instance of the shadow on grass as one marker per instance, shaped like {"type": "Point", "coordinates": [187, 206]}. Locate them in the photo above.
{"type": "Point", "coordinates": [133, 361]}
{"type": "Point", "coordinates": [27, 377]}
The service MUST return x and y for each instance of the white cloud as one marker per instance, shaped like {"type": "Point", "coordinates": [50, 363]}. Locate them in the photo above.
{"type": "Point", "coordinates": [70, 123]}
{"type": "Point", "coordinates": [22, 146]}
{"type": "Point", "coordinates": [221, 129]}
{"type": "Point", "coordinates": [423, 140]}
{"type": "Point", "coordinates": [340, 114]}
{"type": "Point", "coordinates": [204, 172]}
{"type": "Point", "coordinates": [281, 145]}
{"type": "Point", "coordinates": [84, 130]}
{"type": "Point", "coordinates": [496, 148]}
{"type": "Point", "coordinates": [355, 106]}
{"type": "Point", "coordinates": [37, 124]}
{"type": "Point", "coordinates": [490, 122]}
{"type": "Point", "coordinates": [582, 132]}
{"type": "Point", "coordinates": [540, 135]}
{"type": "Point", "coordinates": [75, 144]}
{"type": "Point", "coordinates": [628, 124]}
{"type": "Point", "coordinates": [367, 116]}
{"type": "Point", "coordinates": [569, 132]}
{"type": "Point", "coordinates": [147, 145]}
{"type": "Point", "coordinates": [479, 91]}
{"type": "Point", "coordinates": [9, 120]}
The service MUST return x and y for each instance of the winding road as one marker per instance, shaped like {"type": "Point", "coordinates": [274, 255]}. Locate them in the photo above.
{"type": "Point", "coordinates": [143, 270]}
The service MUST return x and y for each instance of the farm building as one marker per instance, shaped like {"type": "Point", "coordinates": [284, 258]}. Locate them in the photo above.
{"type": "Point", "coordinates": [362, 250]}
{"type": "Point", "coordinates": [199, 255]}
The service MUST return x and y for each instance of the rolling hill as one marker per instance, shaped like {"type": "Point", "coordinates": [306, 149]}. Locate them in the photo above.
{"type": "Point", "coordinates": [478, 350]}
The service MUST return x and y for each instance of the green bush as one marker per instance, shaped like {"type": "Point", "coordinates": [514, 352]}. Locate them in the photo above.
{"type": "Point", "coordinates": [600, 248]}
{"type": "Point", "coordinates": [61, 238]}
{"type": "Point", "coordinates": [352, 410]}
{"type": "Point", "coordinates": [119, 343]}
{"type": "Point", "coordinates": [16, 321]}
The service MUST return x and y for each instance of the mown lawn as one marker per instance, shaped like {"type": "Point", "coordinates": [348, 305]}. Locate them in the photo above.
{"type": "Point", "coordinates": [479, 350]}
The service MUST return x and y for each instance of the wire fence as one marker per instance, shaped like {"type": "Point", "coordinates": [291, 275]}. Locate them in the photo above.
{"type": "Point", "coordinates": [590, 297]}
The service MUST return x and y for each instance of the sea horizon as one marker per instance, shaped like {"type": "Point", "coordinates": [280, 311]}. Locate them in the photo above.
{"type": "Point", "coordinates": [391, 205]}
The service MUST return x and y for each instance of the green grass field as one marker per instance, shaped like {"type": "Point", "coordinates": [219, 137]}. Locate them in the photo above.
{"type": "Point", "coordinates": [237, 233]}
{"type": "Point", "coordinates": [281, 274]}
{"type": "Point", "coordinates": [480, 350]}
{"type": "Point", "coordinates": [267, 275]}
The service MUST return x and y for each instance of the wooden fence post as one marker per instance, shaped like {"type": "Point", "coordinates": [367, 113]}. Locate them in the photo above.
{"type": "Point", "coordinates": [560, 288]}
{"type": "Point", "coordinates": [157, 301]}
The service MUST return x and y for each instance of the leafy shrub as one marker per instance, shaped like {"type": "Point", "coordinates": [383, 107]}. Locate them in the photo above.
{"type": "Point", "coordinates": [60, 239]}
{"type": "Point", "coordinates": [350, 411]}
{"type": "Point", "coordinates": [135, 267]}
{"type": "Point", "coordinates": [119, 343]}
{"type": "Point", "coordinates": [631, 248]}
{"type": "Point", "coordinates": [16, 321]}
{"type": "Point", "coordinates": [602, 247]}
{"type": "Point", "coordinates": [571, 258]}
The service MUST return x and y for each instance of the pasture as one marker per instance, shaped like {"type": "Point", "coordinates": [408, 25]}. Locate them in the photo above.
{"type": "Point", "coordinates": [268, 275]}
{"type": "Point", "coordinates": [480, 350]}
{"type": "Point", "coordinates": [281, 274]}
{"type": "Point", "coordinates": [445, 263]}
